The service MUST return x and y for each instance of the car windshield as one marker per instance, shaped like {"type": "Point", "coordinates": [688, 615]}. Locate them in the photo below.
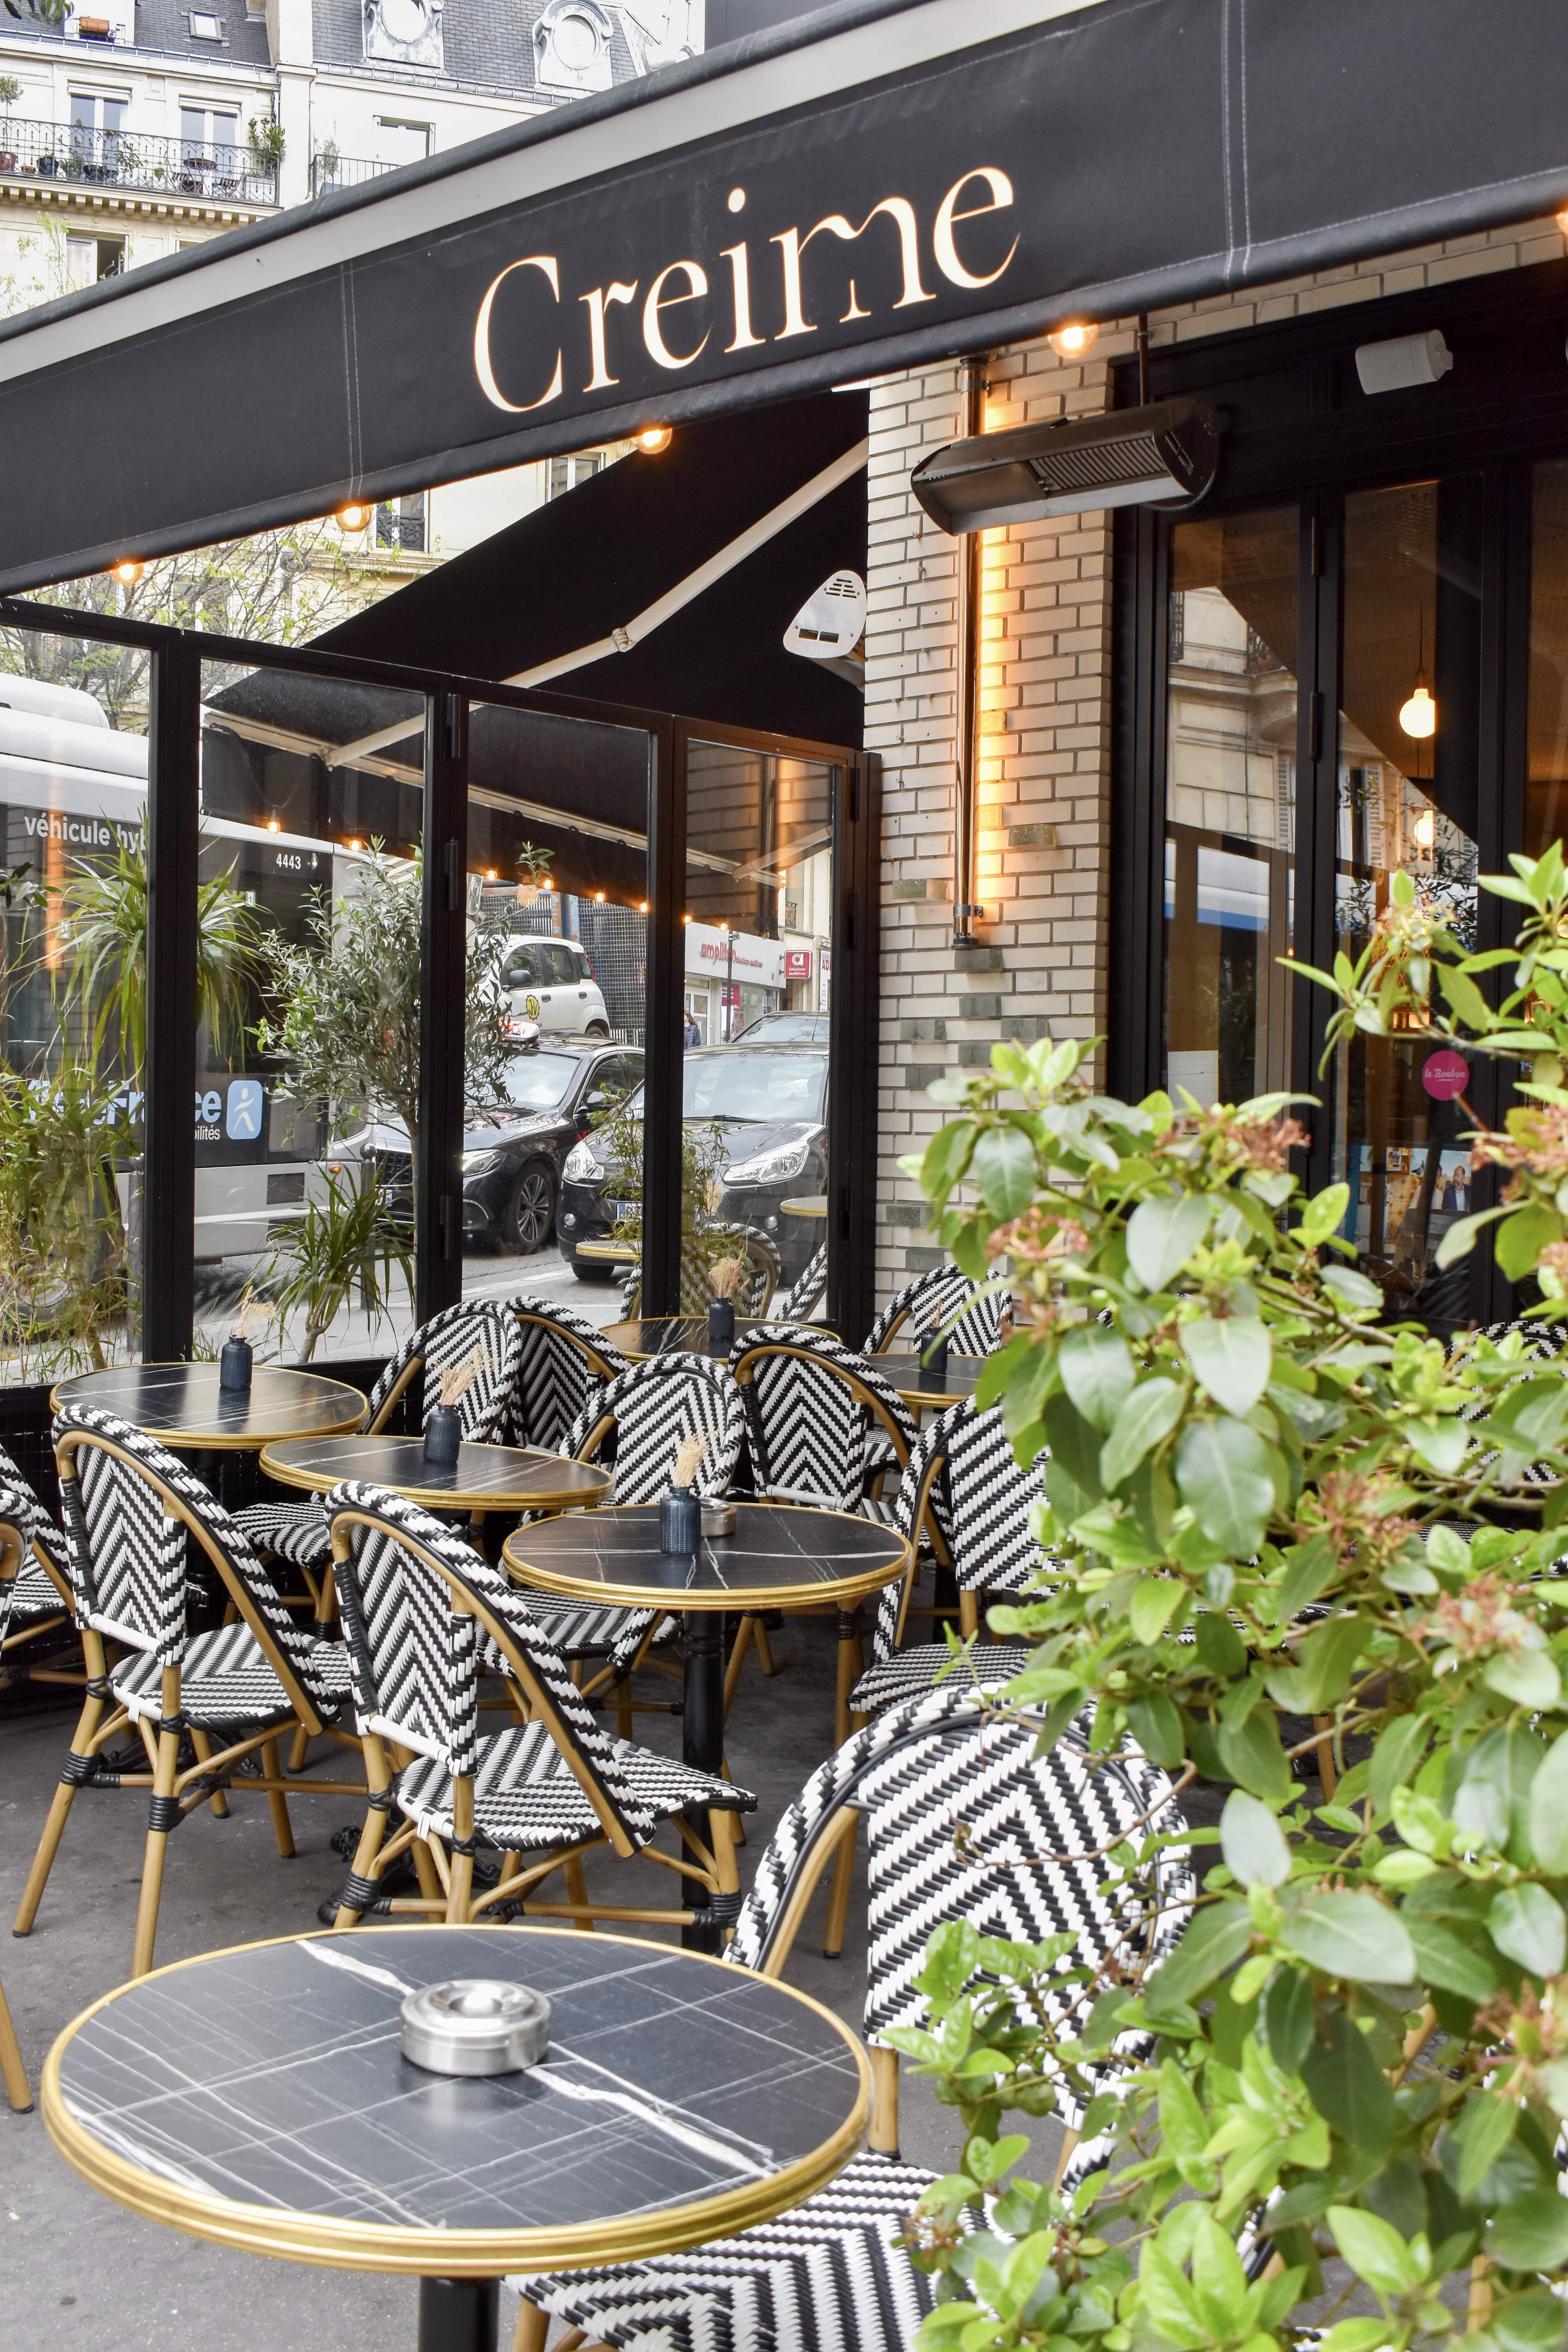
{"type": "Point", "coordinates": [754, 1085]}
{"type": "Point", "coordinates": [539, 1081]}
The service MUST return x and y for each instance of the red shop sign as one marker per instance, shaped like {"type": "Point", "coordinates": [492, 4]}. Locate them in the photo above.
{"type": "Point", "coordinates": [1444, 1074]}
{"type": "Point", "coordinates": [797, 964]}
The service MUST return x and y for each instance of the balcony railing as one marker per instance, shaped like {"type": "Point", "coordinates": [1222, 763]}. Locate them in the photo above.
{"type": "Point", "coordinates": [329, 171]}
{"type": "Point", "coordinates": [126, 159]}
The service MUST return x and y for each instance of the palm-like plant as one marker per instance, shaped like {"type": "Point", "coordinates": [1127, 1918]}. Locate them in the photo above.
{"type": "Point", "coordinates": [348, 1238]}
{"type": "Point", "coordinates": [106, 925]}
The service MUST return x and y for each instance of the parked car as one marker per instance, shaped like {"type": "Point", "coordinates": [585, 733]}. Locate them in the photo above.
{"type": "Point", "coordinates": [513, 1151]}
{"type": "Point", "coordinates": [784, 1029]}
{"type": "Point", "coordinates": [551, 981]}
{"type": "Point", "coordinates": [770, 1104]}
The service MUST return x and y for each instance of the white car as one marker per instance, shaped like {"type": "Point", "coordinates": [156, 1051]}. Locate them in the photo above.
{"type": "Point", "coordinates": [551, 981]}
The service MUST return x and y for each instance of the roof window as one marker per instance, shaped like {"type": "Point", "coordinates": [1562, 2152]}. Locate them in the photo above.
{"type": "Point", "coordinates": [204, 27]}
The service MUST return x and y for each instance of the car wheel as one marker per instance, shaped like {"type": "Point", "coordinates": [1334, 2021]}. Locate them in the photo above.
{"type": "Point", "coordinates": [588, 1269]}
{"type": "Point", "coordinates": [531, 1211]}
{"type": "Point", "coordinates": [597, 1029]}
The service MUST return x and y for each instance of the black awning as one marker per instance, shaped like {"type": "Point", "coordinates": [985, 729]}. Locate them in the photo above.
{"type": "Point", "coordinates": [878, 184]}
{"type": "Point", "coordinates": [737, 501]}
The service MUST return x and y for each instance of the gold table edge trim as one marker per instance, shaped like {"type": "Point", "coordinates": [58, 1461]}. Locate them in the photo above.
{"type": "Point", "coordinates": [194, 1441]}
{"type": "Point", "coordinates": [439, 1498]}
{"type": "Point", "coordinates": [774, 1596]}
{"type": "Point", "coordinates": [338, 2244]}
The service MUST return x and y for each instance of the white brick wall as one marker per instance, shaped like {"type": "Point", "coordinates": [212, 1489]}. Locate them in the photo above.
{"type": "Point", "coordinates": [1045, 753]}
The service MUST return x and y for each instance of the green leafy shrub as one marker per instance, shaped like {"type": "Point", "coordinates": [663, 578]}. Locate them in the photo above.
{"type": "Point", "coordinates": [1293, 1554]}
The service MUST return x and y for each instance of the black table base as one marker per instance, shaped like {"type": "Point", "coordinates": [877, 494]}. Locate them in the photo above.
{"type": "Point", "coordinates": [459, 2315]}
{"type": "Point", "coordinates": [702, 1741]}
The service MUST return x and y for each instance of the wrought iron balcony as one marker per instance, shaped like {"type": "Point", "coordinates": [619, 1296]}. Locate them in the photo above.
{"type": "Point", "coordinates": [126, 159]}
{"type": "Point", "coordinates": [329, 171]}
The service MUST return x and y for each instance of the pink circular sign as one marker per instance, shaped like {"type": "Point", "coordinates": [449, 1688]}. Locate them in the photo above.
{"type": "Point", "coordinates": [1444, 1074]}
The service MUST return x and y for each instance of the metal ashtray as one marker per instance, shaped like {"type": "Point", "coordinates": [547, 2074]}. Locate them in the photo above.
{"type": "Point", "coordinates": [718, 1518]}
{"type": "Point", "coordinates": [475, 2025]}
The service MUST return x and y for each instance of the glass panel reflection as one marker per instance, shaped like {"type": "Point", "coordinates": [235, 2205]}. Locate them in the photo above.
{"type": "Point", "coordinates": [1407, 801]}
{"type": "Point", "coordinates": [1546, 782]}
{"type": "Point", "coordinates": [73, 902]}
{"type": "Point", "coordinates": [1230, 806]}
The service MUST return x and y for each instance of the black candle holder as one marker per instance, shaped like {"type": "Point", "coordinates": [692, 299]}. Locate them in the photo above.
{"type": "Point", "coordinates": [721, 1324]}
{"type": "Point", "coordinates": [933, 1358]}
{"type": "Point", "coordinates": [443, 1435]}
{"type": "Point", "coordinates": [679, 1520]}
{"type": "Point", "coordinates": [235, 1366]}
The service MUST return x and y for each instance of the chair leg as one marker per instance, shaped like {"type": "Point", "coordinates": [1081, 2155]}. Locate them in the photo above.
{"type": "Point", "coordinates": [426, 1871]}
{"type": "Point", "coordinates": [54, 1827]}
{"type": "Point", "coordinates": [532, 2327]}
{"type": "Point", "coordinates": [576, 1889]}
{"type": "Point", "coordinates": [282, 1828]}
{"type": "Point", "coordinates": [298, 1747]}
{"type": "Point", "coordinates": [624, 1706]}
{"type": "Point", "coordinates": [765, 1648]}
{"type": "Point", "coordinates": [742, 1643]}
{"type": "Point", "coordinates": [204, 1749]}
{"type": "Point", "coordinates": [460, 1886]}
{"type": "Point", "coordinates": [370, 1836]}
{"type": "Point", "coordinates": [12, 2071]}
{"type": "Point", "coordinates": [884, 2132]}
{"type": "Point", "coordinates": [839, 1904]}
{"type": "Point", "coordinates": [163, 1797]}
{"type": "Point", "coordinates": [849, 1666]}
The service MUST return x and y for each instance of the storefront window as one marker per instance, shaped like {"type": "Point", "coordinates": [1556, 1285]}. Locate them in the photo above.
{"type": "Point", "coordinates": [1405, 801]}
{"type": "Point", "coordinates": [1230, 806]}
{"type": "Point", "coordinates": [1546, 780]}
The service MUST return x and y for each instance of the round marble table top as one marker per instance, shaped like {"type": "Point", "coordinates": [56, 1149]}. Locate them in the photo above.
{"type": "Point", "coordinates": [811, 1204]}
{"type": "Point", "coordinates": [182, 1405]}
{"type": "Point", "coordinates": [258, 2098]}
{"type": "Point", "coordinates": [780, 1556]}
{"type": "Point", "coordinates": [484, 1477]}
{"type": "Point", "coordinates": [919, 1387]}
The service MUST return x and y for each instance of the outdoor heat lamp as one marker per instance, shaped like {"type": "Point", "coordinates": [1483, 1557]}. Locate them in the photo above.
{"type": "Point", "coordinates": [1165, 453]}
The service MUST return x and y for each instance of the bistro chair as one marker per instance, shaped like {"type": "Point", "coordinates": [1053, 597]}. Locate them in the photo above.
{"type": "Point", "coordinates": [1033, 1864]}
{"type": "Point", "coordinates": [565, 1362]}
{"type": "Point", "coordinates": [17, 1504]}
{"type": "Point", "coordinates": [964, 1474]}
{"type": "Point", "coordinates": [928, 1306]}
{"type": "Point", "coordinates": [39, 1594]}
{"type": "Point", "coordinates": [297, 1531]}
{"type": "Point", "coordinates": [419, 1606]}
{"type": "Point", "coordinates": [801, 1301]}
{"type": "Point", "coordinates": [129, 1506]}
{"type": "Point", "coordinates": [758, 1283]}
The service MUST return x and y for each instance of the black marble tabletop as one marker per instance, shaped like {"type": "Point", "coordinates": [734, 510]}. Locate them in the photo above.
{"type": "Point", "coordinates": [182, 1404]}
{"type": "Point", "coordinates": [259, 2097]}
{"type": "Point", "coordinates": [483, 1478]}
{"type": "Point", "coordinates": [917, 1386]}
{"type": "Point", "coordinates": [778, 1554]}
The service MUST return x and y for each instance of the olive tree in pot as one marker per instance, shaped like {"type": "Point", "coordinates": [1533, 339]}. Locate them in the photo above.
{"type": "Point", "coordinates": [1292, 1553]}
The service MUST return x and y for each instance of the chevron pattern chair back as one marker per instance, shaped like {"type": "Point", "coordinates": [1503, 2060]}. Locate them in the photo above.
{"type": "Point", "coordinates": [43, 1583]}
{"type": "Point", "coordinates": [417, 1602]}
{"type": "Point", "coordinates": [927, 1303]}
{"type": "Point", "coordinates": [645, 1412]}
{"type": "Point", "coordinates": [128, 1503]}
{"type": "Point", "coordinates": [806, 1294]}
{"type": "Point", "coordinates": [13, 1549]}
{"type": "Point", "coordinates": [963, 1473]}
{"type": "Point", "coordinates": [1030, 1863]}
{"type": "Point", "coordinates": [758, 1284]}
{"type": "Point", "coordinates": [449, 1340]}
{"type": "Point", "coordinates": [565, 1362]}
{"type": "Point", "coordinates": [811, 1404]}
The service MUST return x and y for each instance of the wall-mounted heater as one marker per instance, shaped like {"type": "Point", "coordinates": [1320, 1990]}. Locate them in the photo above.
{"type": "Point", "coordinates": [1165, 453]}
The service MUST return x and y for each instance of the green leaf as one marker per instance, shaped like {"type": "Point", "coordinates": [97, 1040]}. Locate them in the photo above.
{"type": "Point", "coordinates": [946, 1158]}
{"type": "Point", "coordinates": [1325, 1661]}
{"type": "Point", "coordinates": [1484, 2130]}
{"type": "Point", "coordinates": [1324, 1214]}
{"type": "Point", "coordinates": [1162, 1235]}
{"type": "Point", "coordinates": [1526, 1923]}
{"type": "Point", "coordinates": [1149, 1612]}
{"type": "Point", "coordinates": [1219, 1646]}
{"type": "Point", "coordinates": [1157, 1728]}
{"type": "Point", "coordinates": [1460, 1237]}
{"type": "Point", "coordinates": [1309, 1566]}
{"type": "Point", "coordinates": [1446, 1960]}
{"type": "Point", "coordinates": [1465, 999]}
{"type": "Point", "coordinates": [1098, 1372]}
{"type": "Point", "coordinates": [1547, 1812]}
{"type": "Point", "coordinates": [1375, 2251]}
{"type": "Point", "coordinates": [1214, 1942]}
{"type": "Point", "coordinates": [1530, 2232]}
{"type": "Point", "coordinates": [1352, 1289]}
{"type": "Point", "coordinates": [1004, 1168]}
{"type": "Point", "coordinates": [1530, 2323]}
{"type": "Point", "coordinates": [1493, 1798]}
{"type": "Point", "coordinates": [1356, 2336]}
{"type": "Point", "coordinates": [1222, 1471]}
{"type": "Point", "coordinates": [1522, 1237]}
{"type": "Point", "coordinates": [1252, 1842]}
{"type": "Point", "coordinates": [1146, 1416]}
{"type": "Point", "coordinates": [1288, 2011]}
{"type": "Point", "coordinates": [1400, 1747]}
{"type": "Point", "coordinates": [1350, 1936]}
{"type": "Point", "coordinates": [1232, 1356]}
{"type": "Point", "coordinates": [1251, 1754]}
{"type": "Point", "coordinates": [1528, 1677]}
{"type": "Point", "coordinates": [1075, 1447]}
{"type": "Point", "coordinates": [1349, 2089]}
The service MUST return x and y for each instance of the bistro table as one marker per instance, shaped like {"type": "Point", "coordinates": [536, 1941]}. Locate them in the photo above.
{"type": "Point", "coordinates": [920, 1388]}
{"type": "Point", "coordinates": [258, 2098]}
{"type": "Point", "coordinates": [662, 1335]}
{"type": "Point", "coordinates": [484, 1477]}
{"type": "Point", "coordinates": [611, 1253]}
{"type": "Point", "coordinates": [181, 1405]}
{"type": "Point", "coordinates": [812, 1204]}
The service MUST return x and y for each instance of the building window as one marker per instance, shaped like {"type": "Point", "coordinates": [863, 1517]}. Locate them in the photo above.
{"type": "Point", "coordinates": [400, 523]}
{"type": "Point", "coordinates": [401, 143]}
{"type": "Point", "coordinates": [204, 27]}
{"type": "Point", "coordinates": [565, 473]}
{"type": "Point", "coordinates": [207, 131]}
{"type": "Point", "coordinates": [88, 258]}
{"type": "Point", "coordinates": [404, 32]}
{"type": "Point", "coordinates": [571, 47]}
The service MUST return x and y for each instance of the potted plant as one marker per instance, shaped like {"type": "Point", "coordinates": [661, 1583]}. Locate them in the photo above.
{"type": "Point", "coordinates": [325, 166]}
{"type": "Point", "coordinates": [10, 91]}
{"type": "Point", "coordinates": [267, 144]}
{"type": "Point", "coordinates": [1295, 1555]}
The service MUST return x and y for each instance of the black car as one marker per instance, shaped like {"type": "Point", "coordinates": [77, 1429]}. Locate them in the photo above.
{"type": "Point", "coordinates": [770, 1105]}
{"type": "Point", "coordinates": [513, 1154]}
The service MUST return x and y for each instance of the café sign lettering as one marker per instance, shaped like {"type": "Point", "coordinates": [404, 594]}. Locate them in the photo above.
{"type": "Point", "coordinates": [731, 292]}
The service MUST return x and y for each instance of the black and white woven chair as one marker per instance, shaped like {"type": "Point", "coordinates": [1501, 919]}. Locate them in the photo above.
{"type": "Point", "coordinates": [1031, 1864]}
{"type": "Point", "coordinates": [297, 1531]}
{"type": "Point", "coordinates": [129, 1506]}
{"type": "Point", "coordinates": [40, 1603]}
{"type": "Point", "coordinates": [805, 1295]}
{"type": "Point", "coordinates": [964, 1473]}
{"type": "Point", "coordinates": [419, 1605]}
{"type": "Point", "coordinates": [565, 1362]}
{"type": "Point", "coordinates": [928, 1305]}
{"type": "Point", "coordinates": [758, 1284]}
{"type": "Point", "coordinates": [17, 1505]}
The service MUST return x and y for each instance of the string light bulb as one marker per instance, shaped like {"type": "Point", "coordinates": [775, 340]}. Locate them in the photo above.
{"type": "Point", "coordinates": [1423, 832]}
{"type": "Point", "coordinates": [1418, 717]}
{"type": "Point", "coordinates": [354, 842]}
{"type": "Point", "coordinates": [598, 898]}
{"type": "Point", "coordinates": [273, 825]}
{"type": "Point", "coordinates": [642, 908]}
{"type": "Point", "coordinates": [128, 573]}
{"type": "Point", "coordinates": [1072, 341]}
{"type": "Point", "coordinates": [653, 439]}
{"type": "Point", "coordinates": [351, 518]}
